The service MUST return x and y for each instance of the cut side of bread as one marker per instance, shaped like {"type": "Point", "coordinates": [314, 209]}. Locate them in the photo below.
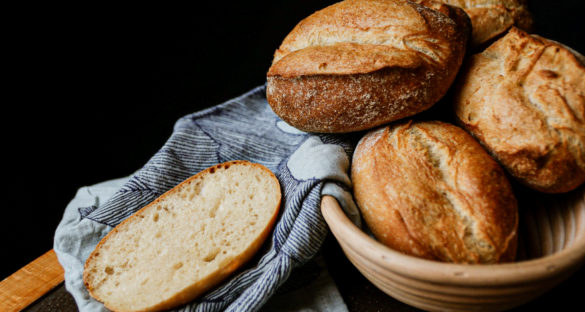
{"type": "Point", "coordinates": [186, 241]}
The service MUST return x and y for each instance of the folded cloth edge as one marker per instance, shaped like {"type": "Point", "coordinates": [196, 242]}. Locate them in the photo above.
{"type": "Point", "coordinates": [73, 250]}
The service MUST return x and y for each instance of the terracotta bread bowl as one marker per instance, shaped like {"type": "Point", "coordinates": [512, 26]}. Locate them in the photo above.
{"type": "Point", "coordinates": [551, 247]}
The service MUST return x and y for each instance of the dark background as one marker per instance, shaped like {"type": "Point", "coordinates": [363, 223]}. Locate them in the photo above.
{"type": "Point", "coordinates": [92, 92]}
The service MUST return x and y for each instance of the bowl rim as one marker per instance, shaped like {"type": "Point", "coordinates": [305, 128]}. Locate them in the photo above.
{"type": "Point", "coordinates": [350, 236]}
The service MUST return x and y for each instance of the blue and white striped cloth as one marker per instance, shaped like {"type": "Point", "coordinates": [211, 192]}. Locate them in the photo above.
{"type": "Point", "coordinates": [307, 166]}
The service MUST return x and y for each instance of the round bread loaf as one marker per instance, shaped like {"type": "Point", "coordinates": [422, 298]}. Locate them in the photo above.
{"type": "Point", "coordinates": [358, 64]}
{"type": "Point", "coordinates": [428, 189]}
{"type": "Point", "coordinates": [523, 98]}
{"type": "Point", "coordinates": [492, 18]}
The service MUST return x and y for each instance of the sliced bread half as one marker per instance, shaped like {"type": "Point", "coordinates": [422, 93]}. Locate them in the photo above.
{"type": "Point", "coordinates": [186, 241]}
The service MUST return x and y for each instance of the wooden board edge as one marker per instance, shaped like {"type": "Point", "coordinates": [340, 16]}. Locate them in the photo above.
{"type": "Point", "coordinates": [31, 282]}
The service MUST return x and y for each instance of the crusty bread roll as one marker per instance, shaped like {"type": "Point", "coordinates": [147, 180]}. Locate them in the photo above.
{"type": "Point", "coordinates": [358, 64]}
{"type": "Point", "coordinates": [492, 18]}
{"type": "Point", "coordinates": [523, 98]}
{"type": "Point", "coordinates": [428, 189]}
{"type": "Point", "coordinates": [186, 241]}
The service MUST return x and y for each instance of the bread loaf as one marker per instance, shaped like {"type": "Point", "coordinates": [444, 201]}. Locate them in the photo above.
{"type": "Point", "coordinates": [186, 241]}
{"type": "Point", "coordinates": [524, 99]}
{"type": "Point", "coordinates": [358, 64]}
{"type": "Point", "coordinates": [428, 189]}
{"type": "Point", "coordinates": [492, 18]}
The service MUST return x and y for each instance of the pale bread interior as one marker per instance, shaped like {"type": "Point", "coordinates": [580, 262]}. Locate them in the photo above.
{"type": "Point", "coordinates": [176, 247]}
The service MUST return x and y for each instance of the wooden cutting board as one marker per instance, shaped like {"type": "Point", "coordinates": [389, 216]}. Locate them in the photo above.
{"type": "Point", "coordinates": [31, 282]}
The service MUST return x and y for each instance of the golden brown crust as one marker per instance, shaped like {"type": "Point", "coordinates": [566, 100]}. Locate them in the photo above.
{"type": "Point", "coordinates": [524, 99]}
{"type": "Point", "coordinates": [430, 190]}
{"type": "Point", "coordinates": [343, 59]}
{"type": "Point", "coordinates": [360, 63]}
{"type": "Point", "coordinates": [492, 18]}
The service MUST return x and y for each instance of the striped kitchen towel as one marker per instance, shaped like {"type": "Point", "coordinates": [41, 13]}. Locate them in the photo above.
{"type": "Point", "coordinates": [307, 166]}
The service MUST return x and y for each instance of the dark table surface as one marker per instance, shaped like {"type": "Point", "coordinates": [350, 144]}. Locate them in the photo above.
{"type": "Point", "coordinates": [93, 92]}
{"type": "Point", "coordinates": [362, 296]}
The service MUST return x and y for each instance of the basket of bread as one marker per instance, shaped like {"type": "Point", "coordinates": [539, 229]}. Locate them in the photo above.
{"type": "Point", "coordinates": [470, 168]}
{"type": "Point", "coordinates": [468, 173]}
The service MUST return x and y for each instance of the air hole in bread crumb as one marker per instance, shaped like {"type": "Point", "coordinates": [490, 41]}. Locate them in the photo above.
{"type": "Point", "coordinates": [178, 265]}
{"type": "Point", "coordinates": [158, 234]}
{"type": "Point", "coordinates": [109, 270]}
{"type": "Point", "coordinates": [155, 217]}
{"type": "Point", "coordinates": [211, 255]}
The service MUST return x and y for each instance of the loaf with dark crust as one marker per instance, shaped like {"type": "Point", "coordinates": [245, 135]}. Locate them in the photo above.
{"type": "Point", "coordinates": [359, 64]}
{"type": "Point", "coordinates": [523, 98]}
{"type": "Point", "coordinates": [492, 18]}
{"type": "Point", "coordinates": [428, 189]}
